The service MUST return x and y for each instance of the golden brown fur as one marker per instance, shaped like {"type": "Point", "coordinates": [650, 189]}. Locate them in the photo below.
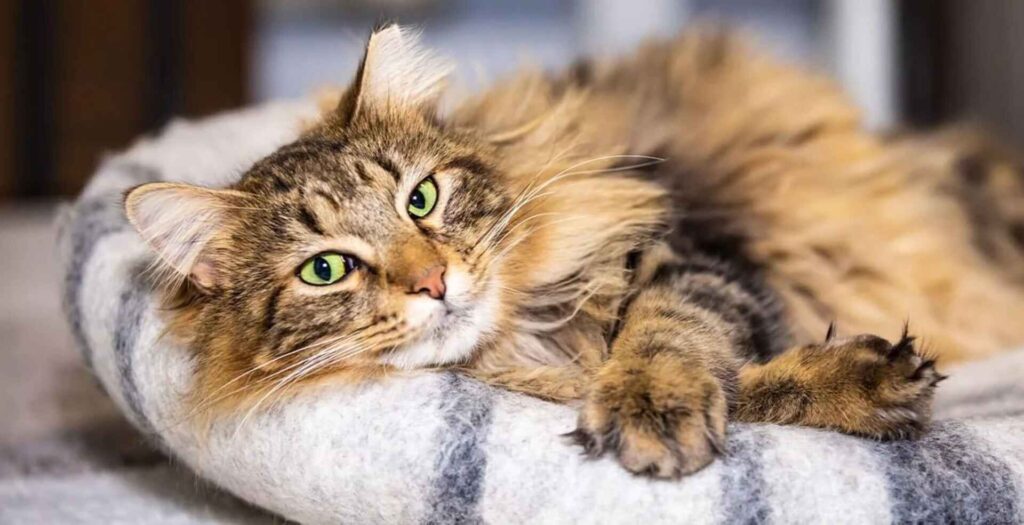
{"type": "Point", "coordinates": [852, 377]}
{"type": "Point", "coordinates": [648, 234]}
{"type": "Point", "coordinates": [849, 226]}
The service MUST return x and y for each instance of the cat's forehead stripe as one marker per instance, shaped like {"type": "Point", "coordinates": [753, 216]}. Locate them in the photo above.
{"type": "Point", "coordinates": [360, 172]}
{"type": "Point", "coordinates": [328, 197]}
{"type": "Point", "coordinates": [389, 166]}
{"type": "Point", "coordinates": [469, 163]}
{"type": "Point", "coordinates": [299, 152]}
{"type": "Point", "coordinates": [320, 143]}
{"type": "Point", "coordinates": [309, 220]}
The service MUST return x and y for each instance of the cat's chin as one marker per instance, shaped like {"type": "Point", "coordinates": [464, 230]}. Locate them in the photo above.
{"type": "Point", "coordinates": [450, 331]}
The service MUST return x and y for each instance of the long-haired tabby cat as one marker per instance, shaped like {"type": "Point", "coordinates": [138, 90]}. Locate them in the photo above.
{"type": "Point", "coordinates": [665, 237]}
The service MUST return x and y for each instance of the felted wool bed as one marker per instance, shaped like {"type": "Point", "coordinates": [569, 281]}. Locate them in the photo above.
{"type": "Point", "coordinates": [442, 448]}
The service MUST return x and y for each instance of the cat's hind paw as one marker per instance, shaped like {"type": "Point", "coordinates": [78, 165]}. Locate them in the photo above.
{"type": "Point", "coordinates": [881, 390]}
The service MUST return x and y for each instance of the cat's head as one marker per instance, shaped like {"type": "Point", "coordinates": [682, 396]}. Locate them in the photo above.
{"type": "Point", "coordinates": [382, 236]}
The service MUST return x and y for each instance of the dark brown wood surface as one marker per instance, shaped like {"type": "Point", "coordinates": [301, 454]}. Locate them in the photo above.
{"type": "Point", "coordinates": [100, 74]}
{"type": "Point", "coordinates": [8, 15]}
{"type": "Point", "coordinates": [215, 54]}
{"type": "Point", "coordinates": [103, 72]}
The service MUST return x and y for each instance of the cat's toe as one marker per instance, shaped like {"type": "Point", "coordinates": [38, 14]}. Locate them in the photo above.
{"type": "Point", "coordinates": [688, 447]}
{"type": "Point", "coordinates": [645, 453]}
{"type": "Point", "coordinates": [654, 432]}
{"type": "Point", "coordinates": [900, 388]}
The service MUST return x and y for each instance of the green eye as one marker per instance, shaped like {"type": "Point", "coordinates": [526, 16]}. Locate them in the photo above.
{"type": "Point", "coordinates": [423, 198]}
{"type": "Point", "coordinates": [326, 268]}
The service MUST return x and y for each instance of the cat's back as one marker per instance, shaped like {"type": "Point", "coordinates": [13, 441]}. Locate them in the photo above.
{"type": "Point", "coordinates": [704, 91]}
{"type": "Point", "coordinates": [710, 84]}
{"type": "Point", "coordinates": [771, 162]}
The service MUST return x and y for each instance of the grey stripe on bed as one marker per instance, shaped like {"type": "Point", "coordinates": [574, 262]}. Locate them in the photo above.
{"type": "Point", "coordinates": [462, 461]}
{"type": "Point", "coordinates": [94, 219]}
{"type": "Point", "coordinates": [130, 314]}
{"type": "Point", "coordinates": [948, 477]}
{"type": "Point", "coordinates": [744, 489]}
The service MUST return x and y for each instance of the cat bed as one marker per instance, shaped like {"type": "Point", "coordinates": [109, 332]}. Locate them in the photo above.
{"type": "Point", "coordinates": [438, 447]}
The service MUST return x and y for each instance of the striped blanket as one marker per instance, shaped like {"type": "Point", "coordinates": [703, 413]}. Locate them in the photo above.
{"type": "Point", "coordinates": [441, 448]}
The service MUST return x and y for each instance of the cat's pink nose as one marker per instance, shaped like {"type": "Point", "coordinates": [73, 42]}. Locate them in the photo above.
{"type": "Point", "coordinates": [432, 282]}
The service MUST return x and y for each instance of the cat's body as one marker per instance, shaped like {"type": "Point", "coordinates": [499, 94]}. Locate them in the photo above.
{"type": "Point", "coordinates": [771, 171]}
{"type": "Point", "coordinates": [665, 236]}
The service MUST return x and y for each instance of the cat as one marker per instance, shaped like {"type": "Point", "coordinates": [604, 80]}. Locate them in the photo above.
{"type": "Point", "coordinates": [662, 238]}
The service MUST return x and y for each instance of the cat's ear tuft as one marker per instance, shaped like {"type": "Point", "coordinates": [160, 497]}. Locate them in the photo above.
{"type": "Point", "coordinates": [397, 72]}
{"type": "Point", "coordinates": [178, 221]}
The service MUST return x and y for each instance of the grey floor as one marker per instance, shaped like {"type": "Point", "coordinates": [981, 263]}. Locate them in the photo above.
{"type": "Point", "coordinates": [66, 454]}
{"type": "Point", "coordinates": [42, 382]}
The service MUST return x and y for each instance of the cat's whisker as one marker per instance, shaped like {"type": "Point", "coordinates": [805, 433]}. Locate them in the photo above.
{"type": "Point", "coordinates": [521, 223]}
{"type": "Point", "coordinates": [528, 195]}
{"type": "Point", "coordinates": [509, 213]}
{"type": "Point", "coordinates": [573, 171]}
{"type": "Point", "coordinates": [500, 254]}
{"type": "Point", "coordinates": [214, 398]}
{"type": "Point", "coordinates": [324, 360]}
{"type": "Point", "coordinates": [318, 344]}
{"type": "Point", "coordinates": [502, 220]}
{"type": "Point", "coordinates": [339, 352]}
{"type": "Point", "coordinates": [531, 193]}
{"type": "Point", "coordinates": [511, 290]}
{"type": "Point", "coordinates": [210, 399]}
{"type": "Point", "coordinates": [547, 326]}
{"type": "Point", "coordinates": [534, 229]}
{"type": "Point", "coordinates": [307, 367]}
{"type": "Point", "coordinates": [342, 343]}
{"type": "Point", "coordinates": [355, 332]}
{"type": "Point", "coordinates": [507, 218]}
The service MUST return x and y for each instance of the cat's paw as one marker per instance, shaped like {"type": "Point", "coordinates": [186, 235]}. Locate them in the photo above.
{"type": "Point", "coordinates": [659, 417]}
{"type": "Point", "coordinates": [880, 389]}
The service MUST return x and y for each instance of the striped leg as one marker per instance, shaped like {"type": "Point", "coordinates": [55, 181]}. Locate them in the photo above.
{"type": "Point", "coordinates": [660, 401]}
{"type": "Point", "coordinates": [860, 385]}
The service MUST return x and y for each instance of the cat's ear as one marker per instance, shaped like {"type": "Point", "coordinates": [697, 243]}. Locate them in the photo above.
{"type": "Point", "coordinates": [396, 73]}
{"type": "Point", "coordinates": [178, 221]}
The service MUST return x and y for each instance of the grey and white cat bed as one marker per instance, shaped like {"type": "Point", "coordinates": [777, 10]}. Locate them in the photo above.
{"type": "Point", "coordinates": [441, 448]}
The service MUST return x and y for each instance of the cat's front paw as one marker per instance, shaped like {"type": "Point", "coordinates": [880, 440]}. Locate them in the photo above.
{"type": "Point", "coordinates": [659, 417]}
{"type": "Point", "coordinates": [881, 390]}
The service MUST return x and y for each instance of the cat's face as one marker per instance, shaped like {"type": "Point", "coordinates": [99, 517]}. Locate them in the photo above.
{"type": "Point", "coordinates": [372, 239]}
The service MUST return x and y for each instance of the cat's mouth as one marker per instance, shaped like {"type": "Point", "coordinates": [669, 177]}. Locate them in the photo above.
{"type": "Point", "coordinates": [452, 314]}
{"type": "Point", "coordinates": [448, 330]}
{"type": "Point", "coordinates": [444, 316]}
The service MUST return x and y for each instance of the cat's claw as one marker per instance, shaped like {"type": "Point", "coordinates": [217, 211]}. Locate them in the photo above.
{"type": "Point", "coordinates": [897, 383]}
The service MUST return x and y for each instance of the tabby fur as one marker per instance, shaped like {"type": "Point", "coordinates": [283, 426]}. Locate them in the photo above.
{"type": "Point", "coordinates": [662, 238]}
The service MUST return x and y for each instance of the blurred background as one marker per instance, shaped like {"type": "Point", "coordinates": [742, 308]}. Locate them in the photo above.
{"type": "Point", "coordinates": [79, 78]}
